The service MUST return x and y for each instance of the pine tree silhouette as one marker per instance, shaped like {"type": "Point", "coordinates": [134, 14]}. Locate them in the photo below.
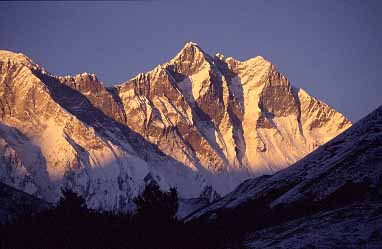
{"type": "Point", "coordinates": [71, 202]}
{"type": "Point", "coordinates": [156, 206]}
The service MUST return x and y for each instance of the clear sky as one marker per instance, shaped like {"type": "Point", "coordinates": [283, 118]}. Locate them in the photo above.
{"type": "Point", "coordinates": [332, 49]}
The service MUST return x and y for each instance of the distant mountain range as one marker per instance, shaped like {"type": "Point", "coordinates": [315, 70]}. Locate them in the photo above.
{"type": "Point", "coordinates": [200, 123]}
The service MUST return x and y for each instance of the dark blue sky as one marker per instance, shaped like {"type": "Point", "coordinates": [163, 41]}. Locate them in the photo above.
{"type": "Point", "coordinates": [332, 49]}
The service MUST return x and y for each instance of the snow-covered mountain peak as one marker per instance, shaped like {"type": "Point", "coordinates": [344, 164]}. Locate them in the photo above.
{"type": "Point", "coordinates": [86, 76]}
{"type": "Point", "coordinates": [191, 47]}
{"type": "Point", "coordinates": [193, 122]}
{"type": "Point", "coordinates": [81, 81]}
{"type": "Point", "coordinates": [15, 57]}
{"type": "Point", "coordinates": [189, 57]}
{"type": "Point", "coordinates": [191, 43]}
{"type": "Point", "coordinates": [258, 61]}
{"type": "Point", "coordinates": [252, 60]}
{"type": "Point", "coordinates": [254, 105]}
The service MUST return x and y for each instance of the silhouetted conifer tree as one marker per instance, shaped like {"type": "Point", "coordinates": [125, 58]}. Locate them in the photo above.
{"type": "Point", "coordinates": [71, 202]}
{"type": "Point", "coordinates": [155, 205]}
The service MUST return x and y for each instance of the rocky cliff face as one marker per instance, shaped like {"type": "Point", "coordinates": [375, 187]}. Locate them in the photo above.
{"type": "Point", "coordinates": [193, 122]}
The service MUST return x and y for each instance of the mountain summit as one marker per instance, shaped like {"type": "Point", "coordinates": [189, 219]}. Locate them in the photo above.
{"type": "Point", "coordinates": [195, 122]}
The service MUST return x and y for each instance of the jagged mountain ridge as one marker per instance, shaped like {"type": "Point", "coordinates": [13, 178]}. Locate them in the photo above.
{"type": "Point", "coordinates": [193, 122]}
{"type": "Point", "coordinates": [229, 105]}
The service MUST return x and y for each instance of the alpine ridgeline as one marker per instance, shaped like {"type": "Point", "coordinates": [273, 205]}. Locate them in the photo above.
{"type": "Point", "coordinates": [195, 122]}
